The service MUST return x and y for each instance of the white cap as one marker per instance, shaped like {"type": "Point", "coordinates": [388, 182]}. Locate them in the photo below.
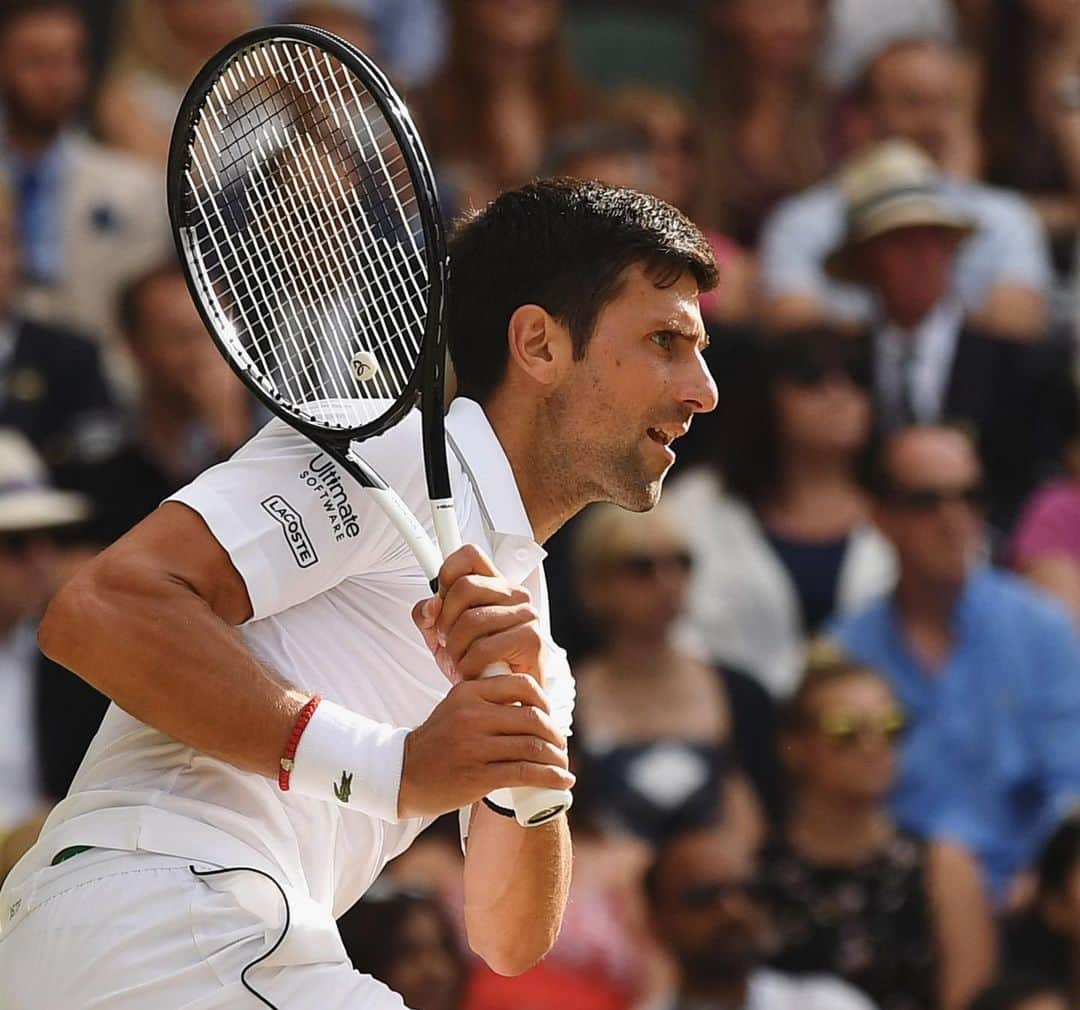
{"type": "Point", "coordinates": [27, 502]}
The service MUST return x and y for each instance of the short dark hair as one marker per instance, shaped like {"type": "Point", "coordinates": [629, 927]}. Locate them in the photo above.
{"type": "Point", "coordinates": [562, 244]}
{"type": "Point", "coordinates": [14, 10]}
{"type": "Point", "coordinates": [129, 304]}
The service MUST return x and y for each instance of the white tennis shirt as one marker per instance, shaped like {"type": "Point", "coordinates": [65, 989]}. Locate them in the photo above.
{"type": "Point", "coordinates": [332, 586]}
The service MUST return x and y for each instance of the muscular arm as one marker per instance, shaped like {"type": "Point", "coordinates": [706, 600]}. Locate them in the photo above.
{"type": "Point", "coordinates": [149, 622]}
{"type": "Point", "coordinates": [516, 885]}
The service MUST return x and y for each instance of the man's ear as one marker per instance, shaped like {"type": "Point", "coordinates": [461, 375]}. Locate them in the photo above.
{"type": "Point", "coordinates": [539, 345]}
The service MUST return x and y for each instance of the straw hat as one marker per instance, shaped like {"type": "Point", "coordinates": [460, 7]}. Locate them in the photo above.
{"type": "Point", "coordinates": [26, 500]}
{"type": "Point", "coordinates": [894, 185]}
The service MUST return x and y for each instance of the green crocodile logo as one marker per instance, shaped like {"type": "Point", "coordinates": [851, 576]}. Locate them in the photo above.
{"type": "Point", "coordinates": [343, 789]}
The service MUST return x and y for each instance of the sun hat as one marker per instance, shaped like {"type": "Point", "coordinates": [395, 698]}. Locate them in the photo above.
{"type": "Point", "coordinates": [27, 502]}
{"type": "Point", "coordinates": [893, 185]}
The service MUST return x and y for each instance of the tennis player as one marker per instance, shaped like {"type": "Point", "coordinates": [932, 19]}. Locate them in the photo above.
{"type": "Point", "coordinates": [224, 814]}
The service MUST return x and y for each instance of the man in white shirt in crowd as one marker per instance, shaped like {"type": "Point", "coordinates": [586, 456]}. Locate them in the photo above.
{"type": "Point", "coordinates": [911, 89]}
{"type": "Point", "coordinates": [707, 910]}
{"type": "Point", "coordinates": [180, 871]}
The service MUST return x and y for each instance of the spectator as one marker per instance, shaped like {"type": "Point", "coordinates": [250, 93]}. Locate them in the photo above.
{"type": "Point", "coordinates": [857, 29]}
{"type": "Point", "coordinates": [984, 666]}
{"type": "Point", "coordinates": [914, 90]}
{"type": "Point", "coordinates": [88, 217]}
{"type": "Point", "coordinates": [506, 88]}
{"type": "Point", "coordinates": [191, 412]}
{"type": "Point", "coordinates": [353, 22]}
{"type": "Point", "coordinates": [1043, 941]}
{"type": "Point", "coordinates": [779, 524]}
{"type": "Point", "coordinates": [161, 45]}
{"type": "Point", "coordinates": [674, 145]}
{"type": "Point", "coordinates": [1021, 993]}
{"type": "Point", "coordinates": [707, 910]}
{"type": "Point", "coordinates": [764, 110]}
{"type": "Point", "coordinates": [406, 940]}
{"type": "Point", "coordinates": [930, 364]}
{"type": "Point", "coordinates": [1030, 99]}
{"type": "Point", "coordinates": [852, 894]}
{"type": "Point", "coordinates": [654, 723]}
{"type": "Point", "coordinates": [605, 151]}
{"type": "Point", "coordinates": [1046, 545]}
{"type": "Point", "coordinates": [409, 36]}
{"type": "Point", "coordinates": [52, 387]}
{"type": "Point", "coordinates": [31, 514]}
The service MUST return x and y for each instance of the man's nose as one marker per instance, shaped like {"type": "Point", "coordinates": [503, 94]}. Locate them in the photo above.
{"type": "Point", "coordinates": [700, 392]}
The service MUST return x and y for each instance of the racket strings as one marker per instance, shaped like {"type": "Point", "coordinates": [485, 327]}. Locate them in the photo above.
{"type": "Point", "coordinates": [305, 230]}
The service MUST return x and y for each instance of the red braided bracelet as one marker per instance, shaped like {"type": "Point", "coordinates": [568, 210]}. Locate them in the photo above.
{"type": "Point", "coordinates": [294, 741]}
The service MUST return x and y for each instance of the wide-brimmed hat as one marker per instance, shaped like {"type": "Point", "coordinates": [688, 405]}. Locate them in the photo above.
{"type": "Point", "coordinates": [894, 185]}
{"type": "Point", "coordinates": [27, 502]}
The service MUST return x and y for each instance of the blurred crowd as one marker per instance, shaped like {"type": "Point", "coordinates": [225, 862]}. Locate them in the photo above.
{"type": "Point", "coordinates": [828, 724]}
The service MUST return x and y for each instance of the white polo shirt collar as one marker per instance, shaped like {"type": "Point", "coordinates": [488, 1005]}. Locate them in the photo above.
{"type": "Point", "coordinates": [473, 441]}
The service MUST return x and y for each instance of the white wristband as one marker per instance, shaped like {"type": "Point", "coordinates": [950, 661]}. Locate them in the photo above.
{"type": "Point", "coordinates": [345, 758]}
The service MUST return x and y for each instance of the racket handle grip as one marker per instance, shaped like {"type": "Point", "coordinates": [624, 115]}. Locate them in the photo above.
{"type": "Point", "coordinates": [532, 806]}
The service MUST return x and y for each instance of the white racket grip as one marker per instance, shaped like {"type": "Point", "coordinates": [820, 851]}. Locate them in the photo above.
{"type": "Point", "coordinates": [532, 807]}
{"type": "Point", "coordinates": [444, 518]}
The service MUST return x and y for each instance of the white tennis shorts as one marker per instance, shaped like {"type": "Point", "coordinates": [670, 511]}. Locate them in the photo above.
{"type": "Point", "coordinates": [111, 930]}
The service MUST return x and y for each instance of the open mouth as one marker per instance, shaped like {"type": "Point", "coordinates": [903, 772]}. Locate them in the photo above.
{"type": "Point", "coordinates": [659, 435]}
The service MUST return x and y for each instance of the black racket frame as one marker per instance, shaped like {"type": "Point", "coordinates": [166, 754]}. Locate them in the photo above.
{"type": "Point", "coordinates": [426, 383]}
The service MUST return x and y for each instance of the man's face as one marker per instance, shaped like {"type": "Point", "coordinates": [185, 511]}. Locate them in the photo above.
{"type": "Point", "coordinates": [916, 95]}
{"type": "Point", "coordinates": [910, 268]}
{"type": "Point", "coordinates": [43, 69]}
{"type": "Point", "coordinates": [641, 381]}
{"type": "Point", "coordinates": [425, 971]}
{"type": "Point", "coordinates": [708, 911]}
{"type": "Point", "coordinates": [28, 574]}
{"type": "Point", "coordinates": [932, 515]}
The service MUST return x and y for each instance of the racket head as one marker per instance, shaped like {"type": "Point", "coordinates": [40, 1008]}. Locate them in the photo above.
{"type": "Point", "coordinates": [307, 221]}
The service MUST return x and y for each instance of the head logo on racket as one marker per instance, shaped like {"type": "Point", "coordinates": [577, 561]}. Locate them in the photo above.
{"type": "Point", "coordinates": [364, 366]}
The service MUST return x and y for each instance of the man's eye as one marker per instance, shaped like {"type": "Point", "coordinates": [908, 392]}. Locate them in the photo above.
{"type": "Point", "coordinates": [663, 339]}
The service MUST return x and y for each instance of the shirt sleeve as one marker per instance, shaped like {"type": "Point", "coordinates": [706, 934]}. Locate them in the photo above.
{"type": "Point", "coordinates": [796, 238]}
{"type": "Point", "coordinates": [1010, 247]}
{"type": "Point", "coordinates": [1053, 715]}
{"type": "Point", "coordinates": [292, 521]}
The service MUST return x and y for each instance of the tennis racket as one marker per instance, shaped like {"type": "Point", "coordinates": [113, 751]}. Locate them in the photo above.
{"type": "Point", "coordinates": [306, 217]}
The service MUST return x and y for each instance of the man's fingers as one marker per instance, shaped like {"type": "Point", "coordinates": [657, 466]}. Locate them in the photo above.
{"type": "Point", "coordinates": [501, 749]}
{"type": "Point", "coordinates": [518, 646]}
{"type": "Point", "coordinates": [520, 720]}
{"type": "Point", "coordinates": [508, 689]}
{"type": "Point", "coordinates": [478, 622]}
{"type": "Point", "coordinates": [467, 560]}
{"type": "Point", "coordinates": [473, 591]}
{"type": "Point", "coordinates": [527, 773]}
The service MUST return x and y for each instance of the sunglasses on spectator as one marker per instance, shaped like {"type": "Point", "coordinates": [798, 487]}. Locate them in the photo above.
{"type": "Point", "coordinates": [930, 499]}
{"type": "Point", "coordinates": [812, 371]}
{"type": "Point", "coordinates": [844, 730]}
{"type": "Point", "coordinates": [707, 893]}
{"type": "Point", "coordinates": [648, 566]}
